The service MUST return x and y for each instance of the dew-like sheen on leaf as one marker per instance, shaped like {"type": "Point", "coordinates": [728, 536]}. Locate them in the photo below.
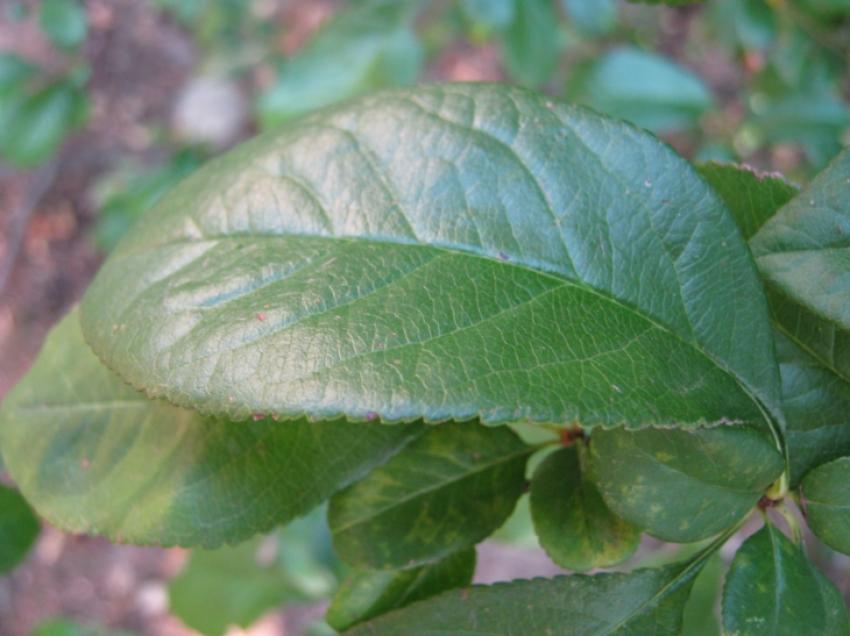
{"type": "Point", "coordinates": [92, 455]}
{"type": "Point", "coordinates": [443, 252]}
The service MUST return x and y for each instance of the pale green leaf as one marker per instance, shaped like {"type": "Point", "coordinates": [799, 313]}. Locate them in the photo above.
{"type": "Point", "coordinates": [594, 17]}
{"type": "Point", "coordinates": [530, 45]}
{"type": "Point", "coordinates": [574, 525]}
{"type": "Point", "coordinates": [493, 14]}
{"type": "Point", "coordinates": [827, 503]}
{"type": "Point", "coordinates": [370, 593]}
{"type": "Point", "coordinates": [447, 490]}
{"type": "Point", "coordinates": [642, 87]}
{"type": "Point", "coordinates": [92, 455]}
{"type": "Point", "coordinates": [680, 485]}
{"type": "Point", "coordinates": [773, 590]}
{"type": "Point", "coordinates": [446, 252]}
{"type": "Point", "coordinates": [64, 22]}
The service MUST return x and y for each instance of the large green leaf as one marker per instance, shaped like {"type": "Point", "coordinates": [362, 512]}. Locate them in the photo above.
{"type": "Point", "coordinates": [803, 253]}
{"type": "Point", "coordinates": [682, 485]}
{"type": "Point", "coordinates": [366, 594]}
{"type": "Point", "coordinates": [368, 46]}
{"type": "Point", "coordinates": [773, 590]}
{"type": "Point", "coordinates": [827, 500]}
{"type": "Point", "coordinates": [447, 252]}
{"type": "Point", "coordinates": [574, 525]}
{"type": "Point", "coordinates": [817, 409]}
{"type": "Point", "coordinates": [447, 490]}
{"type": "Point", "coordinates": [93, 455]}
{"type": "Point", "coordinates": [642, 87]}
{"type": "Point", "coordinates": [645, 601]}
{"type": "Point", "coordinates": [18, 528]}
{"type": "Point", "coordinates": [752, 197]}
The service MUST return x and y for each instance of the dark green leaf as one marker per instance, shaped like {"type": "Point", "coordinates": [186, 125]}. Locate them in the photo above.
{"type": "Point", "coordinates": [18, 528]}
{"type": "Point", "coordinates": [773, 590]}
{"type": "Point", "coordinates": [64, 22]}
{"type": "Point", "coordinates": [637, 603]}
{"type": "Point", "coordinates": [530, 46]}
{"type": "Point", "coordinates": [751, 197]}
{"type": "Point", "coordinates": [594, 17]}
{"type": "Point", "coordinates": [803, 253]}
{"type": "Point", "coordinates": [366, 47]}
{"type": "Point", "coordinates": [748, 23]}
{"type": "Point", "coordinates": [447, 252]}
{"type": "Point", "coordinates": [817, 409]}
{"type": "Point", "coordinates": [827, 501]}
{"type": "Point", "coordinates": [447, 490]}
{"type": "Point", "coordinates": [574, 525]}
{"type": "Point", "coordinates": [682, 485]}
{"type": "Point", "coordinates": [93, 455]}
{"type": "Point", "coordinates": [644, 88]}
{"type": "Point", "coordinates": [701, 615]}
{"type": "Point", "coordinates": [367, 594]}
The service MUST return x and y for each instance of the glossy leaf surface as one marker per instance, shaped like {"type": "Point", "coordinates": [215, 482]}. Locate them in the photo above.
{"type": "Point", "coordinates": [683, 486]}
{"type": "Point", "coordinates": [827, 501]}
{"type": "Point", "coordinates": [773, 590]}
{"type": "Point", "coordinates": [445, 252]}
{"type": "Point", "coordinates": [92, 455]}
{"type": "Point", "coordinates": [366, 594]}
{"type": "Point", "coordinates": [447, 490]}
{"type": "Point", "coordinates": [574, 525]}
{"type": "Point", "coordinates": [647, 601]}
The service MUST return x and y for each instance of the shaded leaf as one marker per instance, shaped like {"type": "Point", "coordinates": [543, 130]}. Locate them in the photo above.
{"type": "Point", "coordinates": [752, 197]}
{"type": "Point", "coordinates": [370, 593]}
{"type": "Point", "coordinates": [530, 45]}
{"type": "Point", "coordinates": [827, 501]}
{"type": "Point", "coordinates": [574, 525]}
{"type": "Point", "coordinates": [447, 490]}
{"type": "Point", "coordinates": [701, 615]}
{"type": "Point", "coordinates": [803, 253]}
{"type": "Point", "coordinates": [644, 601]}
{"type": "Point", "coordinates": [683, 486]}
{"type": "Point", "coordinates": [18, 528]}
{"type": "Point", "coordinates": [773, 590]}
{"type": "Point", "coordinates": [93, 455]}
{"type": "Point", "coordinates": [642, 87]}
{"type": "Point", "coordinates": [393, 258]}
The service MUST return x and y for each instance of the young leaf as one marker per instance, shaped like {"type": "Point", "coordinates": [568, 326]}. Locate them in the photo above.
{"type": "Point", "coordinates": [816, 403]}
{"type": "Point", "coordinates": [773, 590]}
{"type": "Point", "coordinates": [803, 254]}
{"type": "Point", "coordinates": [447, 490]}
{"type": "Point", "coordinates": [683, 486]}
{"type": "Point", "coordinates": [530, 44]}
{"type": "Point", "coordinates": [645, 601]}
{"type": "Point", "coordinates": [365, 47]}
{"type": "Point", "coordinates": [93, 455]}
{"type": "Point", "coordinates": [367, 594]}
{"type": "Point", "coordinates": [644, 88]}
{"type": "Point", "coordinates": [446, 252]}
{"type": "Point", "coordinates": [751, 197]}
{"type": "Point", "coordinates": [574, 525]}
{"type": "Point", "coordinates": [18, 528]}
{"type": "Point", "coordinates": [827, 502]}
